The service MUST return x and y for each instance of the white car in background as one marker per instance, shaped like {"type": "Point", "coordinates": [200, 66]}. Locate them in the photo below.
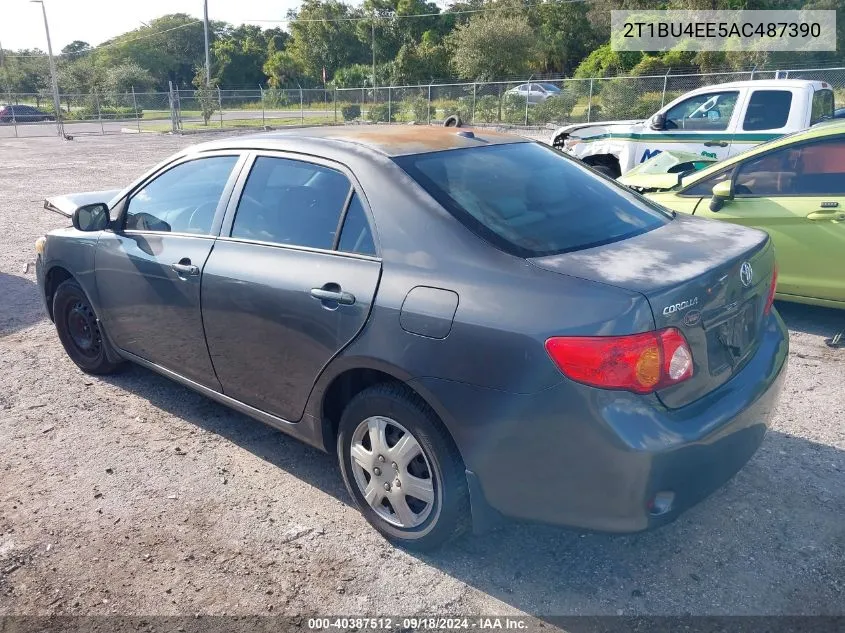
{"type": "Point", "coordinates": [535, 92]}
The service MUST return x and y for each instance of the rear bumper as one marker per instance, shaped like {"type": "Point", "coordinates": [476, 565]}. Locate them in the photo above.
{"type": "Point", "coordinates": [595, 459]}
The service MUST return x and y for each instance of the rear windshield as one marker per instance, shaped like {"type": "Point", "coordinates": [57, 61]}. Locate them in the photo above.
{"type": "Point", "coordinates": [529, 200]}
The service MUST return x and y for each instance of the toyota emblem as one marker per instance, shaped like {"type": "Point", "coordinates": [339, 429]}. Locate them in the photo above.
{"type": "Point", "coordinates": [746, 274]}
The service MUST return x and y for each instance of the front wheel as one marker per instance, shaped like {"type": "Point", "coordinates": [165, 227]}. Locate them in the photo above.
{"type": "Point", "coordinates": [402, 468]}
{"type": "Point", "coordinates": [79, 330]}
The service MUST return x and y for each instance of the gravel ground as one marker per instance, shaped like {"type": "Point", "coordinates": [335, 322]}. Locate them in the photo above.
{"type": "Point", "coordinates": [133, 495]}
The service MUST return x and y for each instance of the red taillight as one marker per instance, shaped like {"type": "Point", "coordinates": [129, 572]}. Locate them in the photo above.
{"type": "Point", "coordinates": [770, 299]}
{"type": "Point", "coordinates": [641, 363]}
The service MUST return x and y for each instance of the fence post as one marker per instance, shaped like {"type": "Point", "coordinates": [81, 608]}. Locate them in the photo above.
{"type": "Point", "coordinates": [527, 99]}
{"type": "Point", "coordinates": [135, 106]}
{"type": "Point", "coordinates": [429, 104]}
{"type": "Point", "coordinates": [301, 107]}
{"type": "Point", "coordinates": [389, 106]}
{"type": "Point", "coordinates": [172, 102]}
{"type": "Point", "coordinates": [220, 104]}
{"type": "Point", "coordinates": [14, 121]}
{"type": "Point", "coordinates": [99, 116]}
{"type": "Point", "coordinates": [263, 120]}
{"type": "Point", "coordinates": [335, 105]}
{"type": "Point", "coordinates": [590, 101]}
{"type": "Point", "coordinates": [665, 81]}
{"type": "Point", "coordinates": [472, 114]}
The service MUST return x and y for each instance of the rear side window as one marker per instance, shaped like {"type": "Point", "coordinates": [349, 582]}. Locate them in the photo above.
{"type": "Point", "coordinates": [822, 106]}
{"type": "Point", "coordinates": [767, 110]}
{"type": "Point", "coordinates": [356, 236]}
{"type": "Point", "coordinates": [291, 202]}
{"type": "Point", "coordinates": [529, 200]}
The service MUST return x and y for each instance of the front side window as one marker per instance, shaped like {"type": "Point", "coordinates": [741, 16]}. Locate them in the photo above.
{"type": "Point", "coordinates": [183, 199]}
{"type": "Point", "coordinates": [529, 200]}
{"type": "Point", "coordinates": [767, 110]}
{"type": "Point", "coordinates": [810, 169]}
{"type": "Point", "coordinates": [704, 187]}
{"type": "Point", "coordinates": [710, 111]}
{"type": "Point", "coordinates": [291, 202]}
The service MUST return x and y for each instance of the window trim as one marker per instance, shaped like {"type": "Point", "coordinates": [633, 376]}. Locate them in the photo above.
{"type": "Point", "coordinates": [118, 225]}
{"type": "Point", "coordinates": [228, 221]}
{"type": "Point", "coordinates": [788, 146]}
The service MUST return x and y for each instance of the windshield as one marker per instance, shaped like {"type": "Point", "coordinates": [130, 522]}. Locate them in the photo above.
{"type": "Point", "coordinates": [530, 200]}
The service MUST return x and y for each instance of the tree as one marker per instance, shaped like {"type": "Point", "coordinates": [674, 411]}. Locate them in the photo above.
{"type": "Point", "coordinates": [206, 95]}
{"type": "Point", "coordinates": [423, 61]}
{"type": "Point", "coordinates": [323, 37]}
{"type": "Point", "coordinates": [281, 69]}
{"type": "Point", "coordinates": [492, 46]}
{"type": "Point", "coordinates": [239, 56]}
{"type": "Point", "coordinates": [565, 33]}
{"type": "Point", "coordinates": [126, 77]}
{"type": "Point", "coordinates": [77, 47]}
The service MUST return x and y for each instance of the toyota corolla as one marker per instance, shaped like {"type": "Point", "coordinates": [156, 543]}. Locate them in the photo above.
{"type": "Point", "coordinates": [475, 324]}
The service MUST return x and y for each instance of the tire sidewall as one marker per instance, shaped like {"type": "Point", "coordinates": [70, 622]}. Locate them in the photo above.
{"type": "Point", "coordinates": [68, 293]}
{"type": "Point", "coordinates": [440, 524]}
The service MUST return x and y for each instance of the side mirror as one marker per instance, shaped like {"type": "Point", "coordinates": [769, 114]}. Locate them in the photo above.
{"type": "Point", "coordinates": [91, 217]}
{"type": "Point", "coordinates": [658, 121]}
{"type": "Point", "coordinates": [722, 192]}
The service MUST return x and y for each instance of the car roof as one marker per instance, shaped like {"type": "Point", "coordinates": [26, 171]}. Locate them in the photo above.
{"type": "Point", "coordinates": [388, 140]}
{"type": "Point", "coordinates": [828, 127]}
{"type": "Point", "coordinates": [769, 83]}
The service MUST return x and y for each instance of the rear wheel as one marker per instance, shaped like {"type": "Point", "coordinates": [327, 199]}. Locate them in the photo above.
{"type": "Point", "coordinates": [402, 469]}
{"type": "Point", "coordinates": [79, 330]}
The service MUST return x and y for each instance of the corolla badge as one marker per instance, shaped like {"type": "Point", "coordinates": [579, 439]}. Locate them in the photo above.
{"type": "Point", "coordinates": [680, 307]}
{"type": "Point", "coordinates": [746, 274]}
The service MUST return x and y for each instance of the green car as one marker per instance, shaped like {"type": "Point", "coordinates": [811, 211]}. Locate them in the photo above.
{"type": "Point", "coordinates": [792, 187]}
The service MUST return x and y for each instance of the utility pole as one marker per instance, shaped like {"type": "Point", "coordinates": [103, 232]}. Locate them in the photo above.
{"type": "Point", "coordinates": [374, 52]}
{"type": "Point", "coordinates": [53, 78]}
{"type": "Point", "coordinates": [207, 57]}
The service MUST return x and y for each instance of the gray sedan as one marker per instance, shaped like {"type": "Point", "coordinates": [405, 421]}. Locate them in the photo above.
{"type": "Point", "coordinates": [475, 324]}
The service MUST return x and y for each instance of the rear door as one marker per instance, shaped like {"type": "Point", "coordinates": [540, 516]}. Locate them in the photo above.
{"type": "Point", "coordinates": [703, 124]}
{"type": "Point", "coordinates": [148, 270]}
{"type": "Point", "coordinates": [290, 281]}
{"type": "Point", "coordinates": [797, 195]}
{"type": "Point", "coordinates": [769, 113]}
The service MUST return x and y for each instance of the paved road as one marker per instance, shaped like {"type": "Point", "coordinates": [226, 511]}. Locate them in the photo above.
{"type": "Point", "coordinates": [26, 130]}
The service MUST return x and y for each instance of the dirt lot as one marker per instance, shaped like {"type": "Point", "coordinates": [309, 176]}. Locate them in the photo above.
{"type": "Point", "coordinates": [133, 495]}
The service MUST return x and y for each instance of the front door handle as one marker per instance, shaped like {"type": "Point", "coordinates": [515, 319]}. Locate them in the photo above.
{"type": "Point", "coordinates": [185, 268]}
{"type": "Point", "coordinates": [716, 144]}
{"type": "Point", "coordinates": [328, 294]}
{"type": "Point", "coordinates": [827, 214]}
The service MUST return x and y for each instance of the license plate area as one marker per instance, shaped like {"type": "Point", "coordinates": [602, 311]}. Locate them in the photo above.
{"type": "Point", "coordinates": [729, 341]}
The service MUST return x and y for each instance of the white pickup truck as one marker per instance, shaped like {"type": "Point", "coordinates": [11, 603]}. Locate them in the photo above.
{"type": "Point", "coordinates": [716, 121]}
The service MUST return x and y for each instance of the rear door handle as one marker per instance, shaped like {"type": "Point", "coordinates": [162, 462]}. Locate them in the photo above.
{"type": "Point", "coordinates": [185, 268]}
{"type": "Point", "coordinates": [343, 298]}
{"type": "Point", "coordinates": [827, 214]}
{"type": "Point", "coordinates": [716, 144]}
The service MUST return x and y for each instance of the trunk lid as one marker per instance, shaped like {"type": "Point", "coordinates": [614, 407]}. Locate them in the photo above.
{"type": "Point", "coordinates": [708, 279]}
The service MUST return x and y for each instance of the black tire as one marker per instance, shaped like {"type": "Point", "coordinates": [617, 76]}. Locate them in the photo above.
{"type": "Point", "coordinates": [79, 331]}
{"type": "Point", "coordinates": [606, 170]}
{"type": "Point", "coordinates": [449, 516]}
{"type": "Point", "coordinates": [453, 120]}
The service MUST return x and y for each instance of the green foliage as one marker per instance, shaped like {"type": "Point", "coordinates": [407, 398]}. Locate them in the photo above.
{"type": "Point", "coordinates": [355, 76]}
{"type": "Point", "coordinates": [463, 108]}
{"type": "Point", "coordinates": [487, 108]}
{"type": "Point", "coordinates": [554, 109]}
{"type": "Point", "coordinates": [323, 37]}
{"type": "Point", "coordinates": [380, 113]}
{"type": "Point", "coordinates": [513, 109]}
{"type": "Point", "coordinates": [105, 112]}
{"type": "Point", "coordinates": [605, 62]}
{"type": "Point", "coordinates": [625, 99]}
{"type": "Point", "coordinates": [282, 69]}
{"type": "Point", "coordinates": [351, 112]}
{"type": "Point", "coordinates": [419, 110]}
{"type": "Point", "coordinates": [492, 45]}
{"type": "Point", "coordinates": [207, 96]}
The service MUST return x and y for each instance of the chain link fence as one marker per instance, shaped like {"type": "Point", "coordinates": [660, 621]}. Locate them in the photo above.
{"type": "Point", "coordinates": [532, 102]}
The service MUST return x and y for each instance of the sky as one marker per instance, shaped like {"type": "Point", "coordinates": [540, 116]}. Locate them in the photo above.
{"type": "Point", "coordinates": [95, 21]}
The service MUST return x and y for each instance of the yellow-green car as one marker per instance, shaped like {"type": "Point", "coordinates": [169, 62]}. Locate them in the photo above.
{"type": "Point", "coordinates": [792, 187]}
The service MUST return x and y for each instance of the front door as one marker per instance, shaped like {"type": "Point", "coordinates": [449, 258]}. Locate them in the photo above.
{"type": "Point", "coordinates": [282, 293]}
{"type": "Point", "coordinates": [148, 272]}
{"type": "Point", "coordinates": [702, 124]}
{"type": "Point", "coordinates": [797, 195]}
